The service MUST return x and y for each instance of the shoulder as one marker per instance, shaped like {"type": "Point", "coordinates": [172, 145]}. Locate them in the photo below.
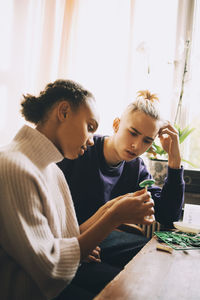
{"type": "Point", "coordinates": [13, 159]}
{"type": "Point", "coordinates": [14, 165]}
{"type": "Point", "coordinates": [98, 140]}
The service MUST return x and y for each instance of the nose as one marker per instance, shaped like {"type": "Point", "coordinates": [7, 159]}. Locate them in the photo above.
{"type": "Point", "coordinates": [90, 140]}
{"type": "Point", "coordinates": [136, 145]}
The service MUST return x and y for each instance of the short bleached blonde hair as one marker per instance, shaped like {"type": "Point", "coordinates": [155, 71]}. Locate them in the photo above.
{"type": "Point", "coordinates": [147, 103]}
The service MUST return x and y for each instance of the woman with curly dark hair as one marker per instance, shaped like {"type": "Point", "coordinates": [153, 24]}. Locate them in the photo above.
{"type": "Point", "coordinates": [44, 253]}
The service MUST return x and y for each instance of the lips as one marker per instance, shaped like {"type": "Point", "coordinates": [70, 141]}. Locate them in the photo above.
{"type": "Point", "coordinates": [130, 153]}
{"type": "Point", "coordinates": [83, 149]}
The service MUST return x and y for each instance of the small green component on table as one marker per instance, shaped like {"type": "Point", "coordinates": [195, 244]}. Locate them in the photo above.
{"type": "Point", "coordinates": [146, 183]}
{"type": "Point", "coordinates": [179, 240]}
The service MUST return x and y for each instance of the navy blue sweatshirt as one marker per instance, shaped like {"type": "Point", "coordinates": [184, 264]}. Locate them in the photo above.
{"type": "Point", "coordinates": [92, 183]}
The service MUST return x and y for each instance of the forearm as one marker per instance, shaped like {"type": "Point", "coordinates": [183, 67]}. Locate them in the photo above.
{"type": "Point", "coordinates": [123, 209]}
{"type": "Point", "coordinates": [169, 138]}
{"type": "Point", "coordinates": [94, 234]}
{"type": "Point", "coordinates": [169, 200]}
{"type": "Point", "coordinates": [100, 212]}
{"type": "Point", "coordinates": [174, 162]}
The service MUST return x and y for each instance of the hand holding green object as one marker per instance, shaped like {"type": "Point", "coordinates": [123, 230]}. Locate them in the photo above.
{"type": "Point", "coordinates": [146, 183]}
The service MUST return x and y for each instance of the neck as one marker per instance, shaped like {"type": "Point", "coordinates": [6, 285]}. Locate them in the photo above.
{"type": "Point", "coordinates": [109, 152]}
{"type": "Point", "coordinates": [48, 129]}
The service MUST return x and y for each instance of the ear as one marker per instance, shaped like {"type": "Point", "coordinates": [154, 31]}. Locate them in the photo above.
{"type": "Point", "coordinates": [63, 110]}
{"type": "Point", "coordinates": [116, 124]}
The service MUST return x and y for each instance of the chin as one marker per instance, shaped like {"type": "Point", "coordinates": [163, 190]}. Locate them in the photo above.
{"type": "Point", "coordinates": [71, 156]}
{"type": "Point", "coordinates": [131, 158]}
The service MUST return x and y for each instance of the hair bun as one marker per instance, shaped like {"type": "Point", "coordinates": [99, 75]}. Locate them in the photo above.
{"type": "Point", "coordinates": [146, 95]}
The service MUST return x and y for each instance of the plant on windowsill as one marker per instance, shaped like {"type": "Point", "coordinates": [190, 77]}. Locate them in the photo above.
{"type": "Point", "coordinates": [156, 152]}
{"type": "Point", "coordinates": [158, 159]}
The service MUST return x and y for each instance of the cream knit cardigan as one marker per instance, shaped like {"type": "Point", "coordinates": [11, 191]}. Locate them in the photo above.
{"type": "Point", "coordinates": [39, 251]}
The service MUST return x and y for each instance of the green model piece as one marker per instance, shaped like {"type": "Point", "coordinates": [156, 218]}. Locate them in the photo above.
{"type": "Point", "coordinates": [179, 240]}
{"type": "Point", "coordinates": [146, 183]}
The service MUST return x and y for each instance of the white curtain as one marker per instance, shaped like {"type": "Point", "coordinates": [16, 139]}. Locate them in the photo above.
{"type": "Point", "coordinates": [191, 99]}
{"type": "Point", "coordinates": [112, 47]}
{"type": "Point", "coordinates": [33, 35]}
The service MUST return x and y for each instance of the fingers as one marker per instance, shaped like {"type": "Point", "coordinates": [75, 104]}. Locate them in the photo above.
{"type": "Point", "coordinates": [138, 193]}
{"type": "Point", "coordinates": [141, 196]}
{"type": "Point", "coordinates": [145, 197]}
{"type": "Point", "coordinates": [149, 203]}
{"type": "Point", "coordinates": [145, 205]}
{"type": "Point", "coordinates": [167, 124]}
{"type": "Point", "coordinates": [94, 256]}
{"type": "Point", "coordinates": [148, 211]}
{"type": "Point", "coordinates": [96, 252]}
{"type": "Point", "coordinates": [124, 197]}
{"type": "Point", "coordinates": [170, 133]}
{"type": "Point", "coordinates": [149, 208]}
{"type": "Point", "coordinates": [149, 220]}
{"type": "Point", "coordinates": [168, 129]}
{"type": "Point", "coordinates": [134, 194]}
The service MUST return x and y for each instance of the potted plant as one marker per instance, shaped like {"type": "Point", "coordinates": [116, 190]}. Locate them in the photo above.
{"type": "Point", "coordinates": [158, 160]}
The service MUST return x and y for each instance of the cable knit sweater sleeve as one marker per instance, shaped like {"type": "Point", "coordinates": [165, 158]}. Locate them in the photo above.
{"type": "Point", "coordinates": [38, 226]}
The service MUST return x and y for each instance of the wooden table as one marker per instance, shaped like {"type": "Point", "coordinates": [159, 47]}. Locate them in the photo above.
{"type": "Point", "coordinates": [157, 275]}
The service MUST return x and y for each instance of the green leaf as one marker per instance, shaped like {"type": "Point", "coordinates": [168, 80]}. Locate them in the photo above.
{"type": "Point", "coordinates": [159, 150]}
{"type": "Point", "coordinates": [185, 133]}
{"type": "Point", "coordinates": [189, 162]}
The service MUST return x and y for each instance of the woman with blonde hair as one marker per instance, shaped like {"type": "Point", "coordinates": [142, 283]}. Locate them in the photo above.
{"type": "Point", "coordinates": [113, 166]}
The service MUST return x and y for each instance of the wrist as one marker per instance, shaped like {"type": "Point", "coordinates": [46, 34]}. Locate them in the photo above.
{"type": "Point", "coordinates": [113, 216]}
{"type": "Point", "coordinates": [174, 165]}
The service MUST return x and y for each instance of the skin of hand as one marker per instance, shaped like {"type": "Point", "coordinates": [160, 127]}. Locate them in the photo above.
{"type": "Point", "coordinates": [103, 209]}
{"type": "Point", "coordinates": [94, 256]}
{"type": "Point", "coordinates": [169, 139]}
{"type": "Point", "coordinates": [130, 208]}
{"type": "Point", "coordinates": [99, 213]}
{"type": "Point", "coordinates": [134, 208]}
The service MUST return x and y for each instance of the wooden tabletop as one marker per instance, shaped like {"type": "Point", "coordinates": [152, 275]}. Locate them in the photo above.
{"type": "Point", "coordinates": [157, 275]}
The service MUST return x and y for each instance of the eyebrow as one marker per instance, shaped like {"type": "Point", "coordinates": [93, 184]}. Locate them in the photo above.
{"type": "Point", "coordinates": [147, 137]}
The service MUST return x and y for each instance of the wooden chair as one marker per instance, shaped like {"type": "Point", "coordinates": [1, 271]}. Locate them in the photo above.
{"type": "Point", "coordinates": [145, 230]}
{"type": "Point", "coordinates": [131, 228]}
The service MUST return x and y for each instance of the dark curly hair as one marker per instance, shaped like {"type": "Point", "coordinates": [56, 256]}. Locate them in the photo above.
{"type": "Point", "coordinates": [34, 109]}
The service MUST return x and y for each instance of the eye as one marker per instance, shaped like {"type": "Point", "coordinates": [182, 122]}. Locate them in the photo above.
{"type": "Point", "coordinates": [133, 133]}
{"type": "Point", "coordinates": [91, 128]}
{"type": "Point", "coordinates": [147, 142]}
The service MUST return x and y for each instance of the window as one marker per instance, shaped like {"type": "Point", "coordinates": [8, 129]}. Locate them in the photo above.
{"type": "Point", "coordinates": [192, 94]}
{"type": "Point", "coordinates": [120, 47]}
{"type": "Point", "coordinates": [112, 47]}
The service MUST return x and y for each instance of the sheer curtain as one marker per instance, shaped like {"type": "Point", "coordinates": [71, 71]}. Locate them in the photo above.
{"type": "Point", "coordinates": [112, 47]}
{"type": "Point", "coordinates": [192, 92]}
{"type": "Point", "coordinates": [34, 35]}
{"type": "Point", "coordinates": [120, 47]}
